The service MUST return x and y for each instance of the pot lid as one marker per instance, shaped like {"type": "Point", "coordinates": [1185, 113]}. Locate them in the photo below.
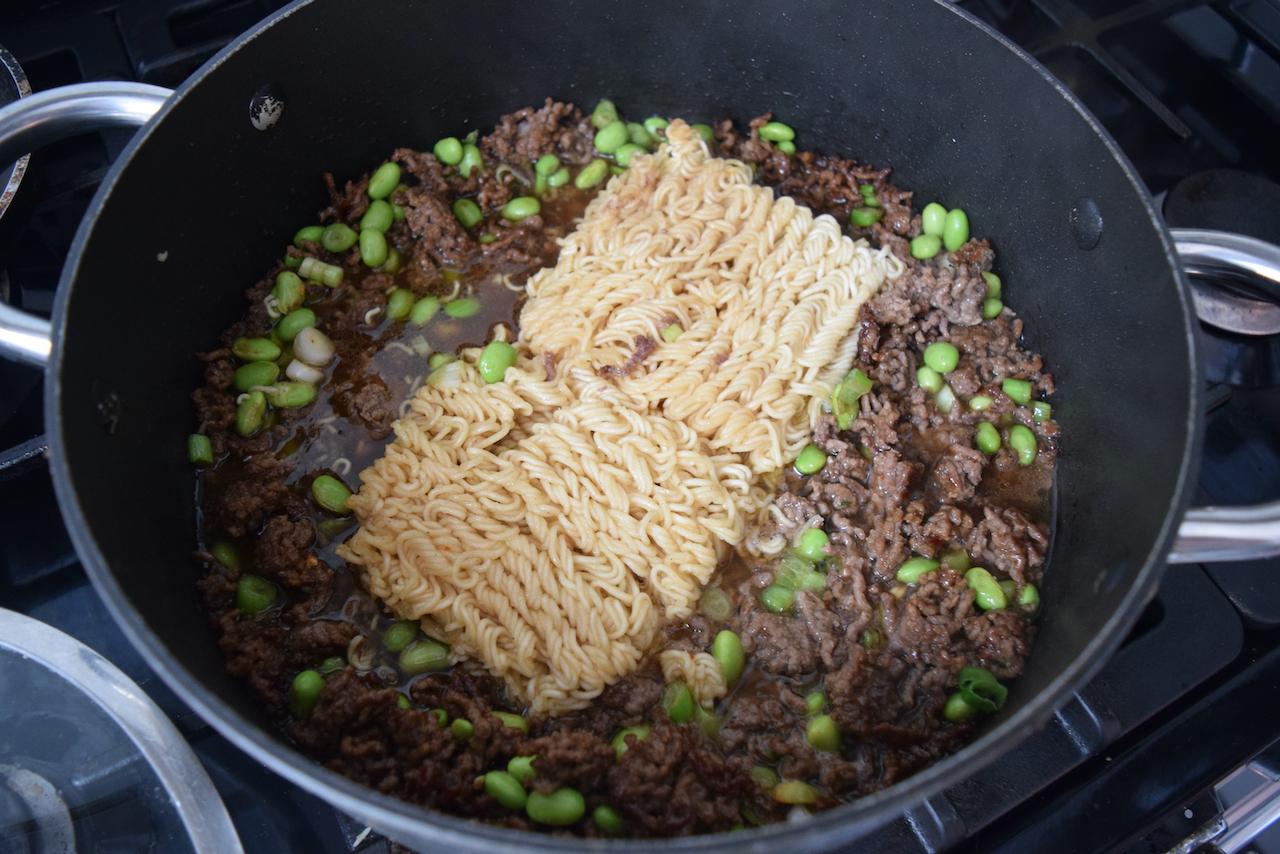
{"type": "Point", "coordinates": [88, 762]}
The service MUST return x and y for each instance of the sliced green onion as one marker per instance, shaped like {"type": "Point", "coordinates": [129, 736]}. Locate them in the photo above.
{"type": "Point", "coordinates": [845, 396]}
{"type": "Point", "coordinates": [199, 449]}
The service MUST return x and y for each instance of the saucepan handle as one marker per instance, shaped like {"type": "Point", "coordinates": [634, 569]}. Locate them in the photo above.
{"type": "Point", "coordinates": [38, 119]}
{"type": "Point", "coordinates": [1209, 534]}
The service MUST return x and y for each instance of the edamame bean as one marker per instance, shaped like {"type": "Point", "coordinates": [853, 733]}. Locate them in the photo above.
{"type": "Point", "coordinates": [200, 449]}
{"type": "Point", "coordinates": [814, 703]}
{"type": "Point", "coordinates": [991, 308]}
{"type": "Point", "coordinates": [379, 217]}
{"type": "Point", "coordinates": [619, 742]}
{"type": "Point", "coordinates": [993, 283]}
{"type": "Point", "coordinates": [765, 777]}
{"type": "Point", "coordinates": [727, 649]}
{"type": "Point", "coordinates": [955, 231]}
{"type": "Point", "coordinates": [448, 151]}
{"type": "Point", "coordinates": [1041, 411]}
{"type": "Point", "coordinates": [957, 710]}
{"type": "Point", "coordinates": [373, 247]}
{"type": "Point", "coordinates": [823, 733]}
{"type": "Point", "coordinates": [913, 568]}
{"type": "Point", "coordinates": [513, 720]}
{"type": "Point", "coordinates": [521, 767]}
{"type": "Point", "coordinates": [811, 460]}
{"type": "Point", "coordinates": [441, 717]}
{"type": "Point", "coordinates": [1023, 442]}
{"type": "Point", "coordinates": [794, 792]}
{"type": "Point", "coordinates": [870, 637]}
{"type": "Point", "coordinates": [677, 702]}
{"type": "Point", "coordinates": [403, 702]}
{"type": "Point", "coordinates": [708, 135]}
{"type": "Point", "coordinates": [558, 178]}
{"type": "Point", "coordinates": [292, 262]}
{"type": "Point", "coordinates": [929, 379]}
{"type": "Point", "coordinates": [777, 599]}
{"type": "Point", "coordinates": [399, 303]}
{"type": "Point", "coordinates": [289, 292]}
{"type": "Point", "coordinates": [1030, 595]}
{"type": "Point", "coordinates": [505, 789]}
{"type": "Point", "coordinates": [715, 605]}
{"type": "Point", "coordinates": [494, 360]}
{"type": "Point", "coordinates": [561, 807]}
{"type": "Point", "coordinates": [331, 494]}
{"type": "Point", "coordinates": [225, 554]}
{"type": "Point", "coordinates": [958, 560]}
{"type": "Point", "coordinates": [467, 212]}
{"type": "Point", "coordinates": [986, 590]}
{"type": "Point", "coordinates": [254, 594]}
{"type": "Point", "coordinates": [777, 132]}
{"type": "Point", "coordinates": [255, 374]}
{"type": "Point", "coordinates": [424, 656]}
{"type": "Point", "coordinates": [925, 246]}
{"type": "Point", "coordinates": [641, 137]}
{"type": "Point", "coordinates": [1019, 391]}
{"type": "Point", "coordinates": [868, 192]}
{"type": "Point", "coordinates": [309, 233]}
{"type": "Point", "coordinates": [610, 137]}
{"type": "Point", "coordinates": [653, 124]}
{"type": "Point", "coordinates": [593, 173]}
{"type": "Point", "coordinates": [461, 308]}
{"type": "Point", "coordinates": [980, 402]}
{"type": "Point", "coordinates": [338, 237]}
{"type": "Point", "coordinates": [250, 414]}
{"type": "Point", "coordinates": [708, 722]}
{"type": "Point", "coordinates": [384, 180]}
{"type": "Point", "coordinates": [865, 217]}
{"type": "Point", "coordinates": [1010, 588]}
{"type": "Point", "coordinates": [288, 394]}
{"type": "Point", "coordinates": [255, 349]}
{"type": "Point", "coordinates": [987, 437]}
{"type": "Point", "coordinates": [933, 219]}
{"type": "Point", "coordinates": [942, 356]}
{"type": "Point", "coordinates": [604, 114]}
{"type": "Point", "coordinates": [293, 323]}
{"type": "Point", "coordinates": [471, 161]}
{"type": "Point", "coordinates": [304, 692]}
{"type": "Point", "coordinates": [462, 729]}
{"type": "Point", "coordinates": [547, 164]}
{"type": "Point", "coordinates": [608, 820]}
{"type": "Point", "coordinates": [438, 359]}
{"type": "Point", "coordinates": [625, 152]}
{"type": "Point", "coordinates": [424, 309]}
{"type": "Point", "coordinates": [812, 543]}
{"type": "Point", "coordinates": [521, 208]}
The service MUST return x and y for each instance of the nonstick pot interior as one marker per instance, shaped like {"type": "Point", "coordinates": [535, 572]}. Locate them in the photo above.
{"type": "Point", "coordinates": [203, 201]}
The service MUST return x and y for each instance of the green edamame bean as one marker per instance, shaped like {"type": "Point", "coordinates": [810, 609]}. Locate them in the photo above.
{"type": "Point", "coordinates": [727, 649]}
{"type": "Point", "coordinates": [933, 219]}
{"type": "Point", "coordinates": [521, 208]}
{"type": "Point", "coordinates": [438, 359]}
{"type": "Point", "coordinates": [250, 414]}
{"type": "Point", "coordinates": [558, 178]}
{"type": "Point", "coordinates": [293, 323]}
{"type": "Point", "coordinates": [1030, 595]}
{"type": "Point", "coordinates": [708, 722]}
{"type": "Point", "coordinates": [448, 151]}
{"type": "Point", "coordinates": [547, 164]}
{"type": "Point", "coordinates": [521, 767]}
{"type": "Point", "coordinates": [653, 124]}
{"type": "Point", "coordinates": [913, 568]}
{"type": "Point", "coordinates": [331, 494]}
{"type": "Point", "coordinates": [925, 246]}
{"type": "Point", "coordinates": [373, 247]}
{"type": "Point", "coordinates": [993, 284]}
{"type": "Point", "coordinates": [812, 543]}
{"type": "Point", "coordinates": [494, 360]}
{"type": "Point", "coordinates": [471, 161]}
{"type": "Point", "coordinates": [379, 217]}
{"type": "Point", "coordinates": [794, 792]}
{"type": "Point", "coordinates": [513, 720]}
{"type": "Point", "coordinates": [619, 742]}
{"type": "Point", "coordinates": [991, 308]}
{"type": "Point", "coordinates": [593, 173]}
{"type": "Point", "coordinates": [289, 291]}
{"type": "Point", "coordinates": [811, 460]}
{"type": "Point", "coordinates": [255, 349]}
{"type": "Point", "coordinates": [604, 114]}
{"type": "Point", "coordinates": [1041, 411]}
{"type": "Point", "coordinates": [777, 132]}
{"type": "Point", "coordinates": [256, 373]}
{"type": "Point", "coordinates": [986, 590]}
{"type": "Point", "coordinates": [403, 702]}
{"type": "Point", "coordinates": [765, 777]}
{"type": "Point", "coordinates": [980, 402]}
{"type": "Point", "coordinates": [399, 303]}
{"type": "Point", "coordinates": [441, 717]}
{"type": "Point", "coordinates": [462, 729]}
{"type": "Point", "coordinates": [865, 217]}
{"type": "Point", "coordinates": [708, 135]}
{"type": "Point", "coordinates": [461, 308]}
{"type": "Point", "coordinates": [815, 702]}
{"type": "Point", "coordinates": [868, 192]}
{"type": "Point", "coordinates": [1010, 588]}
{"type": "Point", "coordinates": [777, 599]}
{"type": "Point", "coordinates": [715, 605]}
{"type": "Point", "coordinates": [942, 356]}
{"type": "Point", "coordinates": [625, 152]}
{"type": "Point", "coordinates": [610, 137]}
{"type": "Point", "coordinates": [957, 710]}
{"type": "Point", "coordinates": [958, 560]}
{"type": "Point", "coordinates": [424, 309]}
{"type": "Point", "coordinates": [1023, 442]}
{"type": "Point", "coordinates": [467, 212]}
{"type": "Point", "coordinates": [955, 231]}
{"type": "Point", "coordinates": [677, 702]}
{"type": "Point", "coordinates": [987, 437]}
{"type": "Point", "coordinates": [823, 733]}
{"type": "Point", "coordinates": [331, 664]}
{"type": "Point", "coordinates": [225, 554]}
{"type": "Point", "coordinates": [309, 233]}
{"type": "Point", "coordinates": [1019, 391]}
{"type": "Point", "coordinates": [929, 379]}
{"type": "Point", "coordinates": [641, 137]}
{"type": "Point", "coordinates": [287, 394]}
{"type": "Point", "coordinates": [384, 180]}
{"type": "Point", "coordinates": [608, 820]}
{"type": "Point", "coordinates": [423, 656]}
{"type": "Point", "coordinates": [561, 807]}
{"type": "Point", "coordinates": [338, 237]}
{"type": "Point", "coordinates": [200, 449]}
{"type": "Point", "coordinates": [304, 692]}
{"type": "Point", "coordinates": [505, 789]}
{"type": "Point", "coordinates": [254, 594]}
{"type": "Point", "coordinates": [292, 263]}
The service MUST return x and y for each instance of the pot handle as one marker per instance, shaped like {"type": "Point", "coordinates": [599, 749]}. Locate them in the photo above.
{"type": "Point", "coordinates": [1210, 534]}
{"type": "Point", "coordinates": [44, 117]}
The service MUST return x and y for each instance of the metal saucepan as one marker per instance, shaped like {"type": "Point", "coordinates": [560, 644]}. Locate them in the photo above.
{"type": "Point", "coordinates": [230, 164]}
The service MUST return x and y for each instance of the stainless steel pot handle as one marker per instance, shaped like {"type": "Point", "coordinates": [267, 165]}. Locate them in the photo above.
{"type": "Point", "coordinates": [44, 117]}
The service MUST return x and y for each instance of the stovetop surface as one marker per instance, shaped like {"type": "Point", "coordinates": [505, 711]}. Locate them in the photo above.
{"type": "Point", "coordinates": [1184, 87]}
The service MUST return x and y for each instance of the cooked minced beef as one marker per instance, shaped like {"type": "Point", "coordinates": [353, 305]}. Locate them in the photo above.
{"type": "Point", "coordinates": [903, 480]}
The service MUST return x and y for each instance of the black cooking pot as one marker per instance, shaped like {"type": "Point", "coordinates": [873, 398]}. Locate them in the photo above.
{"type": "Point", "coordinates": [213, 187]}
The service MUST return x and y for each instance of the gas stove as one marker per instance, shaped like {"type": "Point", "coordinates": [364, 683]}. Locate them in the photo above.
{"type": "Point", "coordinates": [1177, 728]}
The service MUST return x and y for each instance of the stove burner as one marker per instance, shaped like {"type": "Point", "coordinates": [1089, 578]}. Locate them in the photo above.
{"type": "Point", "coordinates": [33, 804]}
{"type": "Point", "coordinates": [1227, 200]}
